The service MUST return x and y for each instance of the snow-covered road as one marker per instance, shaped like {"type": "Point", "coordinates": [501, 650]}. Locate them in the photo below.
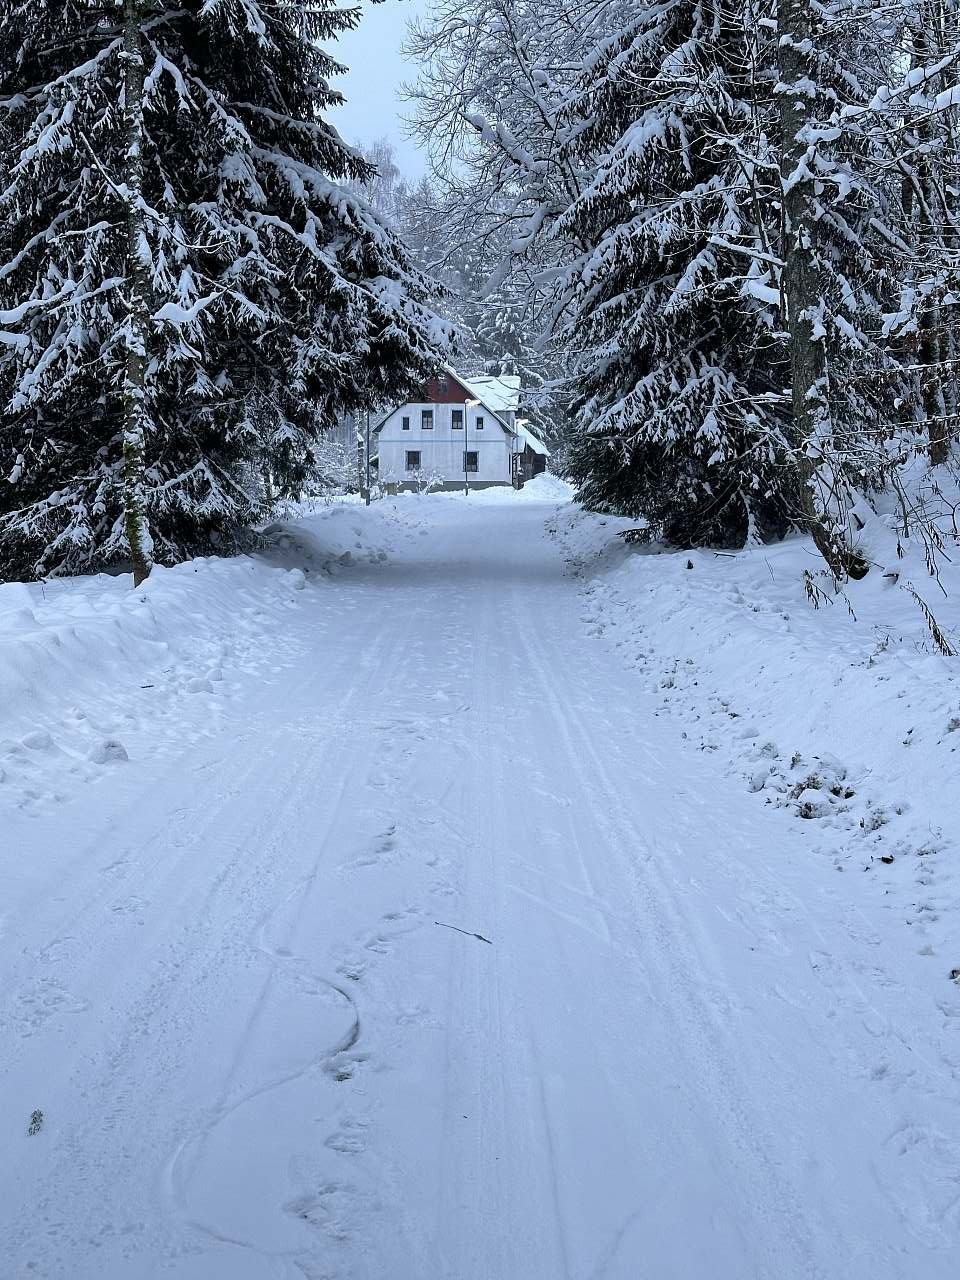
{"type": "Point", "coordinates": [677, 1051]}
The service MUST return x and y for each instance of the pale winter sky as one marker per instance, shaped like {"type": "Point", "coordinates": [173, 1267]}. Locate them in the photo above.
{"type": "Point", "coordinates": [372, 53]}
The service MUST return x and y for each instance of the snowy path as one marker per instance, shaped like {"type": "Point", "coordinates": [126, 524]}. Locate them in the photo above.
{"type": "Point", "coordinates": [683, 1053]}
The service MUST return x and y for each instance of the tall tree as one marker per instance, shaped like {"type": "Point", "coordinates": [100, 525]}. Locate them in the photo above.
{"type": "Point", "coordinates": [706, 192]}
{"type": "Point", "coordinates": [913, 119]}
{"type": "Point", "coordinates": [671, 297]}
{"type": "Point", "coordinates": [805, 168]}
{"type": "Point", "coordinates": [136, 332]}
{"type": "Point", "coordinates": [197, 237]}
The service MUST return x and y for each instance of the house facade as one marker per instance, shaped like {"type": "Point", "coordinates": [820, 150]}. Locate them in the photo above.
{"type": "Point", "coordinates": [461, 433]}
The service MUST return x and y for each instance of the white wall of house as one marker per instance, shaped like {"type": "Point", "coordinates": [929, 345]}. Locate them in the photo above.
{"type": "Point", "coordinates": [442, 448]}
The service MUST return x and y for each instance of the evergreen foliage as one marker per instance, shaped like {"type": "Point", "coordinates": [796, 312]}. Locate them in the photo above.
{"type": "Point", "coordinates": [680, 369]}
{"type": "Point", "coordinates": [678, 292]}
{"type": "Point", "coordinates": [276, 297]}
{"type": "Point", "coordinates": [744, 213]}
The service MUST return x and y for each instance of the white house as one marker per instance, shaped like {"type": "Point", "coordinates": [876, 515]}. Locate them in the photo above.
{"type": "Point", "coordinates": [462, 433]}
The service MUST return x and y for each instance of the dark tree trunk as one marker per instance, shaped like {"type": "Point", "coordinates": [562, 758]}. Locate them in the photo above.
{"type": "Point", "coordinates": [802, 286]}
{"type": "Point", "coordinates": [928, 45]}
{"type": "Point", "coordinates": [137, 321]}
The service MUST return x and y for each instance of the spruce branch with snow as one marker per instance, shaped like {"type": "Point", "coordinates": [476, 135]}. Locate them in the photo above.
{"type": "Point", "coordinates": [222, 251]}
{"type": "Point", "coordinates": [751, 276]}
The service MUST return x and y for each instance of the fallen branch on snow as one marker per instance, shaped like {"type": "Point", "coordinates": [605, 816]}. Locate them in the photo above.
{"type": "Point", "coordinates": [466, 932]}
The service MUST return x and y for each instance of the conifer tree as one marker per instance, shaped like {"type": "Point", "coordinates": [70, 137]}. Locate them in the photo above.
{"type": "Point", "coordinates": [136, 328]}
{"type": "Point", "coordinates": [264, 296]}
{"type": "Point", "coordinates": [671, 299]}
{"type": "Point", "coordinates": [722, 206]}
{"type": "Point", "coordinates": [913, 122]}
{"type": "Point", "coordinates": [835, 283]}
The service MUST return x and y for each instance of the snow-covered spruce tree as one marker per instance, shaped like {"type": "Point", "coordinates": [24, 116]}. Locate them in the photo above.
{"type": "Point", "coordinates": [733, 245]}
{"type": "Point", "coordinates": [268, 298]}
{"type": "Point", "coordinates": [136, 329]}
{"type": "Point", "coordinates": [838, 228]}
{"type": "Point", "coordinates": [641, 154]}
{"type": "Point", "coordinates": [594, 138]}
{"type": "Point", "coordinates": [913, 120]}
{"type": "Point", "coordinates": [671, 301]}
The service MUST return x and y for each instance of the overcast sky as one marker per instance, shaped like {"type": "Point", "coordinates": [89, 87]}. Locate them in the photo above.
{"type": "Point", "coordinates": [371, 87]}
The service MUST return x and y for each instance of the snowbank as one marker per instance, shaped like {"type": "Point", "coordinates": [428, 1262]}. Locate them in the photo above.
{"type": "Point", "coordinates": [94, 673]}
{"type": "Point", "coordinates": [841, 710]}
{"type": "Point", "coordinates": [331, 535]}
{"type": "Point", "coordinates": [543, 488]}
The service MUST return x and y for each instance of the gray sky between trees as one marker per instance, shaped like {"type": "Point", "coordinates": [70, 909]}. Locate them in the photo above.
{"type": "Point", "coordinates": [372, 85]}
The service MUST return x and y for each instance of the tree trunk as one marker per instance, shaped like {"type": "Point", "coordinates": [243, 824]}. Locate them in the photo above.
{"type": "Point", "coordinates": [929, 44]}
{"type": "Point", "coordinates": [948, 383]}
{"type": "Point", "coordinates": [358, 430]}
{"type": "Point", "coordinates": [137, 320]}
{"type": "Point", "coordinates": [934, 406]}
{"type": "Point", "coordinates": [366, 455]}
{"type": "Point", "coordinates": [802, 285]}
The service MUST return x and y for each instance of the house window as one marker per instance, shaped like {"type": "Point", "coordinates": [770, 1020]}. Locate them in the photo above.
{"type": "Point", "coordinates": [471, 461]}
{"type": "Point", "coordinates": [404, 424]}
{"type": "Point", "coordinates": [443, 382]}
{"type": "Point", "coordinates": [457, 423]}
{"type": "Point", "coordinates": [413, 459]}
{"type": "Point", "coordinates": [479, 424]}
{"type": "Point", "coordinates": [426, 419]}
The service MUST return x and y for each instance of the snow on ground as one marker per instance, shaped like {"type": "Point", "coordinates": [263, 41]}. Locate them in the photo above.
{"type": "Point", "coordinates": [442, 938]}
{"type": "Point", "coordinates": [89, 669]}
{"type": "Point", "coordinates": [845, 714]}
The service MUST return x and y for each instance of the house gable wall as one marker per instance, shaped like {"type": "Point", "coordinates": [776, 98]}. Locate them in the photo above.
{"type": "Point", "coordinates": [442, 448]}
{"type": "Point", "coordinates": [445, 390]}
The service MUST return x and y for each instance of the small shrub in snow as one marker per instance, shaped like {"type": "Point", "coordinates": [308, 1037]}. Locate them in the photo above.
{"type": "Point", "coordinates": [873, 820]}
{"type": "Point", "coordinates": [107, 751]}
{"type": "Point", "coordinates": [811, 803]}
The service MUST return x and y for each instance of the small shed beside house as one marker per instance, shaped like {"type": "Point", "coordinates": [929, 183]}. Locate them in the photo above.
{"type": "Point", "coordinates": [461, 432]}
{"type": "Point", "coordinates": [531, 460]}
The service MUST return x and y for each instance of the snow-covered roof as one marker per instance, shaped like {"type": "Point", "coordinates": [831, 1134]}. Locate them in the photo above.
{"type": "Point", "coordinates": [527, 436]}
{"type": "Point", "coordinates": [501, 395]}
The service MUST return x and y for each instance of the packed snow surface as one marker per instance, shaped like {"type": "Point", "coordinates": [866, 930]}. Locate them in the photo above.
{"type": "Point", "coordinates": [452, 891]}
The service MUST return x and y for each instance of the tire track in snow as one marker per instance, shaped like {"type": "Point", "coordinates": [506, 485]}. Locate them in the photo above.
{"type": "Point", "coordinates": [678, 968]}
{"type": "Point", "coordinates": [159, 1020]}
{"type": "Point", "coordinates": [334, 1060]}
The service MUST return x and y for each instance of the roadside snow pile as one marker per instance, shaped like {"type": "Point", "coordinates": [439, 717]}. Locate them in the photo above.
{"type": "Point", "coordinates": [330, 536]}
{"type": "Point", "coordinates": [546, 488]}
{"type": "Point", "coordinates": [840, 709]}
{"type": "Point", "coordinates": [93, 673]}
{"type": "Point", "coordinates": [543, 488]}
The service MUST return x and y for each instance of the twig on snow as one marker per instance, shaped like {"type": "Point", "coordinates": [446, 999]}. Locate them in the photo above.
{"type": "Point", "coordinates": [467, 933]}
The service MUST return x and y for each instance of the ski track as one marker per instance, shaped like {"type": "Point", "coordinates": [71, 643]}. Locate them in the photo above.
{"type": "Point", "coordinates": [689, 1050]}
